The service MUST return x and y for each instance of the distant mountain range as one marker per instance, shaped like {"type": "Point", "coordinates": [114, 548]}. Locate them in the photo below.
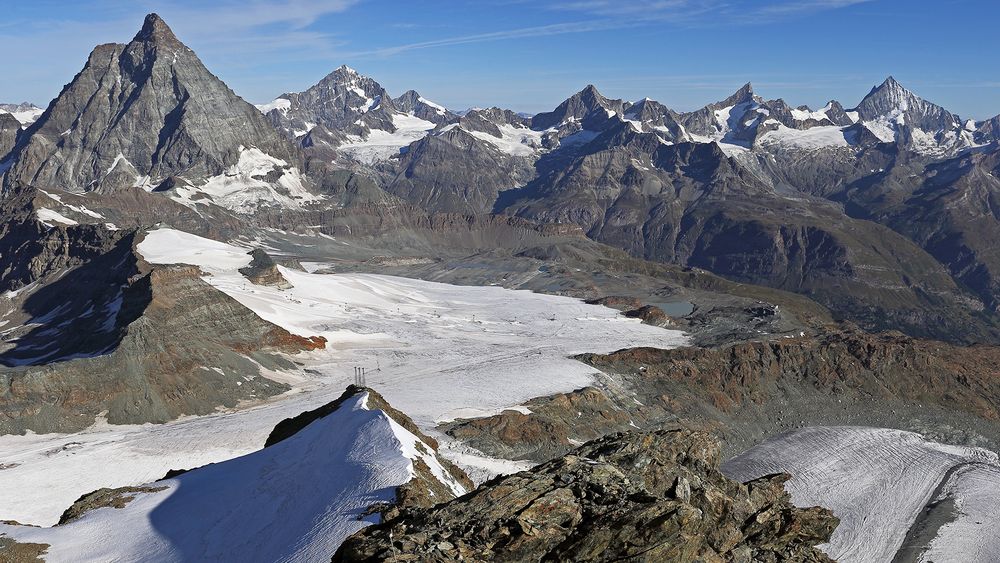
{"type": "Point", "coordinates": [884, 212]}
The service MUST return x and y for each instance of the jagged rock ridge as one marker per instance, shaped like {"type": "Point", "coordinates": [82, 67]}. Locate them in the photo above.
{"type": "Point", "coordinates": [655, 496]}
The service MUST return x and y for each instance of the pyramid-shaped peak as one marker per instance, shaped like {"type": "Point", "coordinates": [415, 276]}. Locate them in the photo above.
{"type": "Point", "coordinates": [890, 86]}
{"type": "Point", "coordinates": [156, 30]}
{"type": "Point", "coordinates": [891, 82]}
{"type": "Point", "coordinates": [745, 92]}
{"type": "Point", "coordinates": [589, 92]}
{"type": "Point", "coordinates": [743, 95]}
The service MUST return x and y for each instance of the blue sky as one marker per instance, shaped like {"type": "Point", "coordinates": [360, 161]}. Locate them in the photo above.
{"type": "Point", "coordinates": [529, 55]}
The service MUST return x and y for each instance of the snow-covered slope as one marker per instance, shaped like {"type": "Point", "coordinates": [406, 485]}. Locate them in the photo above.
{"type": "Point", "coordinates": [296, 500]}
{"type": "Point", "coordinates": [380, 145]}
{"type": "Point", "coordinates": [24, 113]}
{"type": "Point", "coordinates": [813, 138]}
{"type": "Point", "coordinates": [247, 185]}
{"type": "Point", "coordinates": [878, 482]}
{"type": "Point", "coordinates": [434, 351]}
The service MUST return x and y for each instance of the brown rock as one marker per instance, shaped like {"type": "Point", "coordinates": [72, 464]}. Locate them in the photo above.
{"type": "Point", "coordinates": [614, 498]}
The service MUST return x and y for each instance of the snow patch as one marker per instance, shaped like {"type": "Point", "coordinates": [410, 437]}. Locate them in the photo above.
{"type": "Point", "coordinates": [243, 187]}
{"type": "Point", "coordinates": [280, 104]}
{"type": "Point", "coordinates": [812, 138]}
{"type": "Point", "coordinates": [515, 141]}
{"type": "Point", "coordinates": [48, 216]}
{"type": "Point", "coordinates": [381, 145]}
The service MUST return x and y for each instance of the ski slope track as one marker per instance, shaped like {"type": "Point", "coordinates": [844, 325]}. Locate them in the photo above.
{"type": "Point", "coordinates": [434, 351]}
{"type": "Point", "coordinates": [879, 482]}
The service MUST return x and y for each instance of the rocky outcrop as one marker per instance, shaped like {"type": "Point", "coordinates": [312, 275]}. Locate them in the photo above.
{"type": "Point", "coordinates": [655, 496]}
{"type": "Point", "coordinates": [412, 102]}
{"type": "Point", "coordinates": [343, 102]}
{"type": "Point", "coordinates": [263, 271]}
{"type": "Point", "coordinates": [651, 315]}
{"type": "Point", "coordinates": [588, 108]}
{"type": "Point", "coordinates": [30, 250]}
{"type": "Point", "coordinates": [176, 346]}
{"type": "Point", "coordinates": [104, 498]}
{"type": "Point", "coordinates": [10, 128]}
{"type": "Point", "coordinates": [18, 552]}
{"type": "Point", "coordinates": [749, 391]}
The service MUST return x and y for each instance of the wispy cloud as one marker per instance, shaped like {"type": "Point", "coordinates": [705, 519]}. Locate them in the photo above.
{"type": "Point", "coordinates": [789, 9]}
{"type": "Point", "coordinates": [614, 14]}
{"type": "Point", "coordinates": [535, 31]}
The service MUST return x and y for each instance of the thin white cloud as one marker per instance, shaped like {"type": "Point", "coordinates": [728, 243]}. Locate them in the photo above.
{"type": "Point", "coordinates": [638, 13]}
{"type": "Point", "coordinates": [536, 31]}
{"type": "Point", "coordinates": [805, 6]}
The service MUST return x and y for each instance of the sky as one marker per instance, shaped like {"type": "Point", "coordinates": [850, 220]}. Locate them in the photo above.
{"type": "Point", "coordinates": [529, 55]}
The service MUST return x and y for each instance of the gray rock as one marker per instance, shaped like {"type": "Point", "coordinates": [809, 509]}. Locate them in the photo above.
{"type": "Point", "coordinates": [611, 499]}
{"type": "Point", "coordinates": [146, 109]}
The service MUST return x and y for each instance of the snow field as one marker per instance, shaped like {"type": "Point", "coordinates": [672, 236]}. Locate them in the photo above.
{"type": "Point", "coordinates": [294, 501]}
{"type": "Point", "coordinates": [876, 480]}
{"type": "Point", "coordinates": [433, 350]}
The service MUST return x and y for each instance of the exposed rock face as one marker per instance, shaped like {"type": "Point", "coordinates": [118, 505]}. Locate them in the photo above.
{"type": "Point", "coordinates": [988, 131]}
{"type": "Point", "coordinates": [588, 107]}
{"type": "Point", "coordinates": [10, 128]}
{"type": "Point", "coordinates": [103, 498]}
{"type": "Point", "coordinates": [747, 392]}
{"type": "Point", "coordinates": [412, 102]}
{"type": "Point", "coordinates": [488, 120]}
{"type": "Point", "coordinates": [16, 552]}
{"type": "Point", "coordinates": [138, 114]}
{"type": "Point", "coordinates": [725, 120]}
{"type": "Point", "coordinates": [472, 178]}
{"type": "Point", "coordinates": [347, 103]}
{"type": "Point", "coordinates": [337, 102]}
{"type": "Point", "coordinates": [892, 107]}
{"type": "Point", "coordinates": [656, 117]}
{"type": "Point", "coordinates": [651, 315]}
{"type": "Point", "coordinates": [29, 250]}
{"type": "Point", "coordinates": [263, 271]}
{"type": "Point", "coordinates": [182, 347]}
{"type": "Point", "coordinates": [643, 497]}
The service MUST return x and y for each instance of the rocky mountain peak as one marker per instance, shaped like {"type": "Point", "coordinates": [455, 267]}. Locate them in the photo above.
{"type": "Point", "coordinates": [154, 29]}
{"type": "Point", "coordinates": [346, 71]}
{"type": "Point", "coordinates": [407, 100]}
{"type": "Point", "coordinates": [141, 113]}
{"type": "Point", "coordinates": [578, 107]}
{"type": "Point", "coordinates": [742, 96]}
{"type": "Point", "coordinates": [892, 112]}
{"type": "Point", "coordinates": [889, 94]}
